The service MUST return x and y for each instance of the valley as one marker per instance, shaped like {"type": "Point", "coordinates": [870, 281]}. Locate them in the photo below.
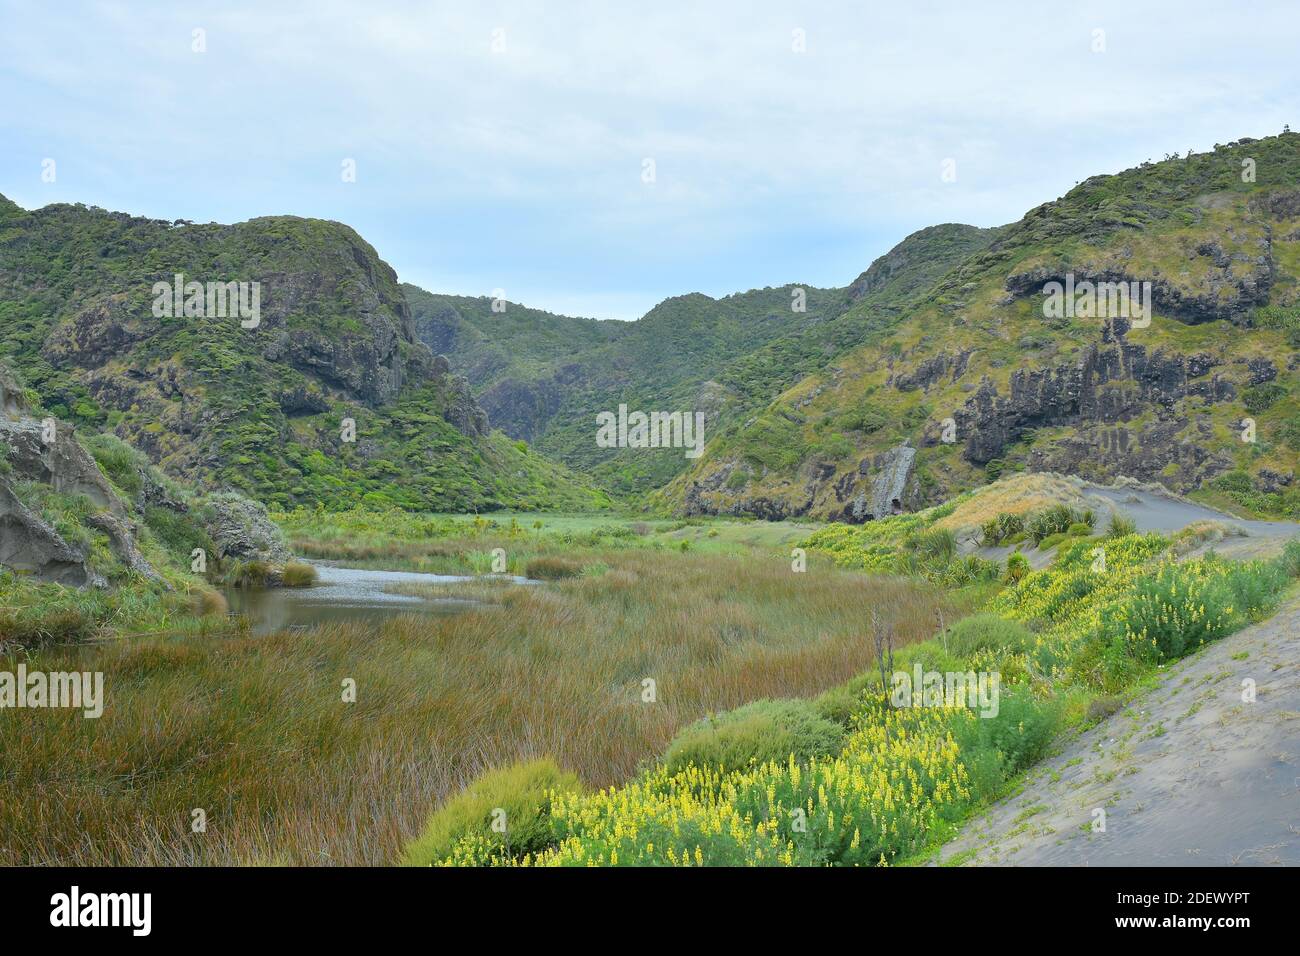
{"type": "Point", "coordinates": [361, 564]}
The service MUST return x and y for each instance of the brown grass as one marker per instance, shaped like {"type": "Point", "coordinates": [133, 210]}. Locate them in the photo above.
{"type": "Point", "coordinates": [254, 731]}
{"type": "Point", "coordinates": [298, 574]}
{"type": "Point", "coordinates": [1017, 494]}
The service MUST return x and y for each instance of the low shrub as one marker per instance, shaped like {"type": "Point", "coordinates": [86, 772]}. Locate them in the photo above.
{"type": "Point", "coordinates": [999, 530]}
{"type": "Point", "coordinates": [1121, 524]}
{"type": "Point", "coordinates": [1102, 707]}
{"type": "Point", "coordinates": [756, 733]}
{"type": "Point", "coordinates": [1052, 540]}
{"type": "Point", "coordinates": [981, 632]}
{"type": "Point", "coordinates": [248, 574]}
{"type": "Point", "coordinates": [937, 545]}
{"type": "Point", "coordinates": [1172, 612]}
{"type": "Point", "coordinates": [1079, 530]}
{"type": "Point", "coordinates": [1259, 398]}
{"type": "Point", "coordinates": [1056, 520]}
{"type": "Point", "coordinates": [1289, 559]}
{"type": "Point", "coordinates": [523, 791]}
{"type": "Point", "coordinates": [1017, 568]}
{"type": "Point", "coordinates": [298, 574]}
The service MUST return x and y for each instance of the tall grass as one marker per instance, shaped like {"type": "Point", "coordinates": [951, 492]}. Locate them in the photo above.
{"type": "Point", "coordinates": [255, 732]}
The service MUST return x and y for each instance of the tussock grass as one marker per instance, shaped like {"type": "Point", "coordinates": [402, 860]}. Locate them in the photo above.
{"type": "Point", "coordinates": [298, 574]}
{"type": "Point", "coordinates": [254, 729]}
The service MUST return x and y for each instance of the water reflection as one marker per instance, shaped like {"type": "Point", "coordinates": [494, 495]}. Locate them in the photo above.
{"type": "Point", "coordinates": [344, 594]}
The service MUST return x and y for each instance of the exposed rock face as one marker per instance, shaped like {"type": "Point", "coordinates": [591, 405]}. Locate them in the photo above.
{"type": "Point", "coordinates": [462, 410]}
{"type": "Point", "coordinates": [1227, 291]}
{"type": "Point", "coordinates": [13, 404]}
{"type": "Point", "coordinates": [754, 506]}
{"type": "Point", "coordinates": [29, 544]}
{"type": "Point", "coordinates": [62, 464]}
{"type": "Point", "coordinates": [1105, 388]}
{"type": "Point", "coordinates": [241, 528]}
{"type": "Point", "coordinates": [931, 370]}
{"type": "Point", "coordinates": [889, 492]}
{"type": "Point", "coordinates": [122, 536]}
{"type": "Point", "coordinates": [523, 408]}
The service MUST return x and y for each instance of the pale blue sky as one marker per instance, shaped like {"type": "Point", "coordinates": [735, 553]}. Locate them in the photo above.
{"type": "Point", "coordinates": [522, 169]}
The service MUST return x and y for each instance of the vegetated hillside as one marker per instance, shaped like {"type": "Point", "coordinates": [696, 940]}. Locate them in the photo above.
{"type": "Point", "coordinates": [258, 409]}
{"type": "Point", "coordinates": [544, 377]}
{"type": "Point", "coordinates": [1099, 397]}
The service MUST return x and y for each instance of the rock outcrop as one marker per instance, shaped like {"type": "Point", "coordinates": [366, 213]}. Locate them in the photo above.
{"type": "Point", "coordinates": [1111, 384]}
{"type": "Point", "coordinates": [29, 545]}
{"type": "Point", "coordinates": [241, 528]}
{"type": "Point", "coordinates": [889, 493]}
{"type": "Point", "coordinates": [47, 452]}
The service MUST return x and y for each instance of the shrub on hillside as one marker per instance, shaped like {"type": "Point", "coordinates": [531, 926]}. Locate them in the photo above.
{"type": "Point", "coordinates": [981, 632]}
{"type": "Point", "coordinates": [754, 734]}
{"type": "Point", "coordinates": [1056, 520]}
{"type": "Point", "coordinates": [1289, 559]}
{"type": "Point", "coordinates": [1018, 735]}
{"type": "Point", "coordinates": [522, 790]}
{"type": "Point", "coordinates": [1172, 612]}
{"type": "Point", "coordinates": [1052, 540]}
{"type": "Point", "coordinates": [936, 545]}
{"type": "Point", "coordinates": [1259, 398]}
{"type": "Point", "coordinates": [1017, 568]}
{"type": "Point", "coordinates": [997, 530]}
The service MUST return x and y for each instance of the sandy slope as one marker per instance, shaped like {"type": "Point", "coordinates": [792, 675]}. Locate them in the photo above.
{"type": "Point", "coordinates": [1188, 774]}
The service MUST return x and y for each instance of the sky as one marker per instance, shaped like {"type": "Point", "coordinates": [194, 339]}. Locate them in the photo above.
{"type": "Point", "coordinates": [596, 158]}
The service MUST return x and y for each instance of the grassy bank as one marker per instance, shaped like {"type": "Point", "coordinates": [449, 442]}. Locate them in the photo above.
{"type": "Point", "coordinates": [464, 544]}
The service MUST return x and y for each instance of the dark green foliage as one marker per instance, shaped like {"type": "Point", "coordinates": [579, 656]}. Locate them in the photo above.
{"type": "Point", "coordinates": [995, 748]}
{"type": "Point", "coordinates": [997, 530]}
{"type": "Point", "coordinates": [1056, 520]}
{"type": "Point", "coordinates": [1259, 398]}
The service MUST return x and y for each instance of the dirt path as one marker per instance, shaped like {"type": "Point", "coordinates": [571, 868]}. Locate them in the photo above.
{"type": "Point", "coordinates": [1188, 774]}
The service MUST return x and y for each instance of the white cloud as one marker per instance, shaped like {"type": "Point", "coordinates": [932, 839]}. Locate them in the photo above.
{"type": "Point", "coordinates": [527, 163]}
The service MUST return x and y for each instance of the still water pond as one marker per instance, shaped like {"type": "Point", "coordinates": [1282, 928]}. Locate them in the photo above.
{"type": "Point", "coordinates": [343, 594]}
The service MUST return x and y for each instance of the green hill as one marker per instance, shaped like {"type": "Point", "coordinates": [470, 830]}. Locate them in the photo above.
{"type": "Point", "coordinates": [544, 377]}
{"type": "Point", "coordinates": [260, 409]}
{"type": "Point", "coordinates": [978, 375]}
